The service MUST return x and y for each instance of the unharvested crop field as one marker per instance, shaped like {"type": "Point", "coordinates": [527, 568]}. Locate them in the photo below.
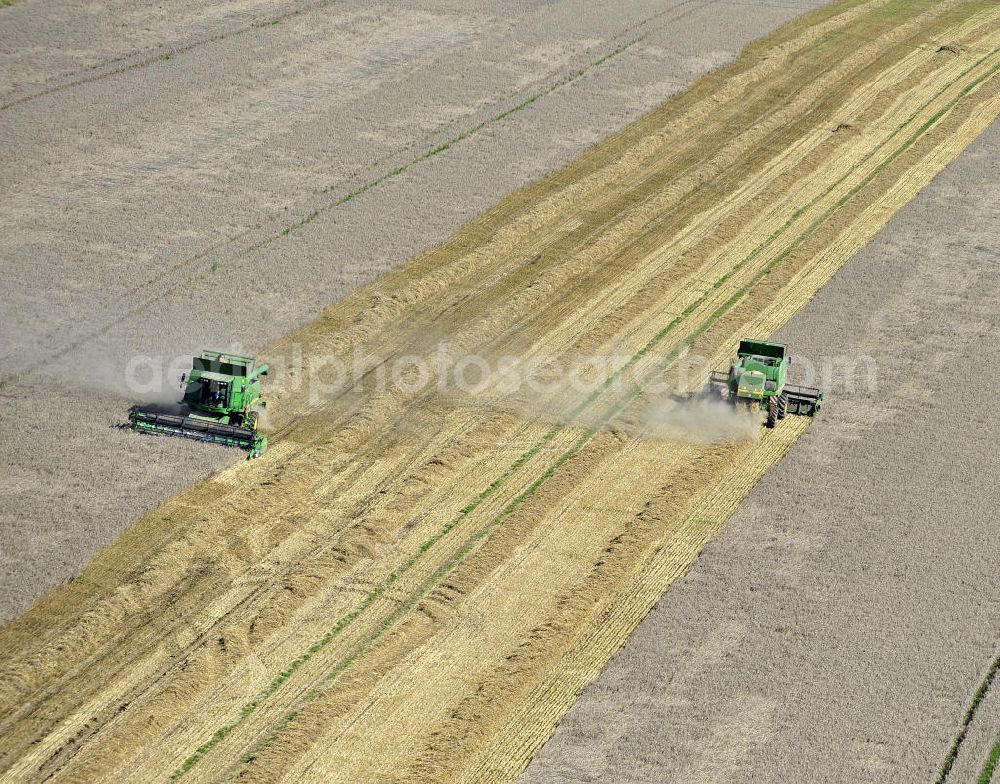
{"type": "Point", "coordinates": [414, 584]}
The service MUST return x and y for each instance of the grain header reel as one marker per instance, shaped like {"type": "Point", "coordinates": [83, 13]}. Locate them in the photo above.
{"type": "Point", "coordinates": [221, 397]}
{"type": "Point", "coordinates": [757, 380]}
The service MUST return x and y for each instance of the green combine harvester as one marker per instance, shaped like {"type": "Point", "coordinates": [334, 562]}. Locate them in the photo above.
{"type": "Point", "coordinates": [221, 394]}
{"type": "Point", "coordinates": [756, 379]}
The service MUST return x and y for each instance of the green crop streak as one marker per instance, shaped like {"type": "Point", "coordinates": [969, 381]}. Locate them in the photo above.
{"type": "Point", "coordinates": [491, 526]}
{"type": "Point", "coordinates": [970, 714]}
{"type": "Point", "coordinates": [991, 764]}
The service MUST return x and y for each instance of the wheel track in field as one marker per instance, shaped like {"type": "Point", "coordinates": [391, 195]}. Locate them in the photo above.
{"type": "Point", "coordinates": [153, 55]}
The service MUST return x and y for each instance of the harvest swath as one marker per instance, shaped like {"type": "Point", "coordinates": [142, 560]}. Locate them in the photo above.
{"type": "Point", "coordinates": [414, 587]}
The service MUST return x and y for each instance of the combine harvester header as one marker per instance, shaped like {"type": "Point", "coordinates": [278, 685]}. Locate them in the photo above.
{"type": "Point", "coordinates": [221, 395]}
{"type": "Point", "coordinates": [757, 379]}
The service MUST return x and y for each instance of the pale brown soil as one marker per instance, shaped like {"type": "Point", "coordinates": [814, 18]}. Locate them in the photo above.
{"type": "Point", "coordinates": [413, 586]}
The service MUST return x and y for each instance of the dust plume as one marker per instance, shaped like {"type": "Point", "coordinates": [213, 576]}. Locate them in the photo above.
{"type": "Point", "coordinates": [699, 420]}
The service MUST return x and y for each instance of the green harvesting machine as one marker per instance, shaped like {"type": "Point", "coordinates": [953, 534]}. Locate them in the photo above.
{"type": "Point", "coordinates": [221, 395]}
{"type": "Point", "coordinates": [757, 379]}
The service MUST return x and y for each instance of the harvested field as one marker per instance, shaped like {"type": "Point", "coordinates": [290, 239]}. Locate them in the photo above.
{"type": "Point", "coordinates": [414, 583]}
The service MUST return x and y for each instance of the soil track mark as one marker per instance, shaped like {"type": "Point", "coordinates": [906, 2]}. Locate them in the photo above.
{"type": "Point", "coordinates": [154, 55]}
{"type": "Point", "coordinates": [991, 764]}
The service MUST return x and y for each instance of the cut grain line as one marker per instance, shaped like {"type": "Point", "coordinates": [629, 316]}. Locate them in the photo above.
{"type": "Point", "coordinates": [470, 543]}
{"type": "Point", "coordinates": [622, 612]}
{"type": "Point", "coordinates": [519, 740]}
{"type": "Point", "coordinates": [523, 732]}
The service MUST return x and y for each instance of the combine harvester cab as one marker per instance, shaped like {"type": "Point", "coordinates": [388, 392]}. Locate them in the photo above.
{"type": "Point", "coordinates": [221, 395]}
{"type": "Point", "coordinates": [757, 379]}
